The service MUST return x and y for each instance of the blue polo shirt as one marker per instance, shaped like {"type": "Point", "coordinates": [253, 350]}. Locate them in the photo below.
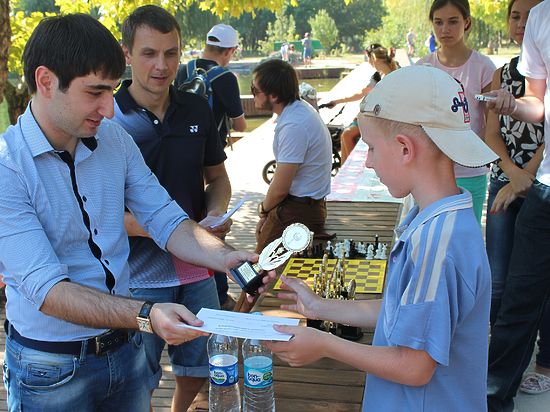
{"type": "Point", "coordinates": [437, 299]}
{"type": "Point", "coordinates": [176, 149]}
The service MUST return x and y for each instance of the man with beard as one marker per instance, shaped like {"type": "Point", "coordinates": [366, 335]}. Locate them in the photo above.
{"type": "Point", "coordinates": [303, 152]}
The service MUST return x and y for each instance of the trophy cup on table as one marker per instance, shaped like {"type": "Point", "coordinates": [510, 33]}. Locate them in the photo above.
{"type": "Point", "coordinates": [295, 238]}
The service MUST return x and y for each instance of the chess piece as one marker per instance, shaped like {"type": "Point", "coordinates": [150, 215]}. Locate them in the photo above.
{"type": "Point", "coordinates": [295, 238]}
{"type": "Point", "coordinates": [383, 254]}
{"type": "Point", "coordinates": [370, 252]}
{"type": "Point", "coordinates": [378, 252]}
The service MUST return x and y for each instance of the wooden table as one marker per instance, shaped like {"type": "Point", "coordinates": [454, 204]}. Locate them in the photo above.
{"type": "Point", "coordinates": [325, 385]}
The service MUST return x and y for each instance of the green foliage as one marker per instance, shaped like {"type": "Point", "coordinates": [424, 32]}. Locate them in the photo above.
{"type": "Point", "coordinates": [4, 119]}
{"type": "Point", "coordinates": [282, 29]}
{"type": "Point", "coordinates": [43, 6]}
{"type": "Point", "coordinates": [252, 27]}
{"type": "Point", "coordinates": [324, 29]}
{"type": "Point", "coordinates": [352, 19]}
{"type": "Point", "coordinates": [399, 18]}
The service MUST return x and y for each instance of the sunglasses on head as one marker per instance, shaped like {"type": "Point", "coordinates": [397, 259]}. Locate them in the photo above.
{"type": "Point", "coordinates": [372, 48]}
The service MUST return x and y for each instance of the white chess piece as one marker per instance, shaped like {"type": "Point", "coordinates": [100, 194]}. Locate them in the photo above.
{"type": "Point", "coordinates": [383, 254]}
{"type": "Point", "coordinates": [378, 252]}
{"type": "Point", "coordinates": [370, 252]}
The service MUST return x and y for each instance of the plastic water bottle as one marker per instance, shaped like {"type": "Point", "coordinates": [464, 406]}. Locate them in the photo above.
{"type": "Point", "coordinates": [258, 377]}
{"type": "Point", "coordinates": [224, 394]}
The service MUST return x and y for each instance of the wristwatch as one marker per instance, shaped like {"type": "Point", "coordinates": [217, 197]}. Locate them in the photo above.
{"type": "Point", "coordinates": [143, 319]}
{"type": "Point", "coordinates": [261, 210]}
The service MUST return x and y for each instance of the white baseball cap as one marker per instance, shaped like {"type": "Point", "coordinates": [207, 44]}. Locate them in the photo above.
{"type": "Point", "coordinates": [222, 35]}
{"type": "Point", "coordinates": [430, 98]}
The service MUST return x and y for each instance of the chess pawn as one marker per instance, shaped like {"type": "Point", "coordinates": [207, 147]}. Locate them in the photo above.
{"type": "Point", "coordinates": [378, 252]}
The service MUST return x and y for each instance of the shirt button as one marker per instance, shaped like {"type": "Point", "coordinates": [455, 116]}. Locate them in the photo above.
{"type": "Point", "coordinates": [106, 262]}
{"type": "Point", "coordinates": [394, 259]}
{"type": "Point", "coordinates": [95, 231]}
{"type": "Point", "coordinates": [155, 121]}
{"type": "Point", "coordinates": [84, 198]}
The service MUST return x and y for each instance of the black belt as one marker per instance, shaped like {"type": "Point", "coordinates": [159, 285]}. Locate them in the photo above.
{"type": "Point", "coordinates": [306, 199]}
{"type": "Point", "coordinates": [108, 341]}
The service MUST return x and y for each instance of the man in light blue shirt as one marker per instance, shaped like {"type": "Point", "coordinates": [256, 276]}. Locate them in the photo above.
{"type": "Point", "coordinates": [66, 175]}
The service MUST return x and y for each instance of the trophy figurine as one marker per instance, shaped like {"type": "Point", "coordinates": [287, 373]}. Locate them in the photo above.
{"type": "Point", "coordinates": [295, 238]}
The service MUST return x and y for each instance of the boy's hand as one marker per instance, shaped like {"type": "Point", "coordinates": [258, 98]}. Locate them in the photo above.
{"type": "Point", "coordinates": [306, 302]}
{"type": "Point", "coordinates": [305, 347]}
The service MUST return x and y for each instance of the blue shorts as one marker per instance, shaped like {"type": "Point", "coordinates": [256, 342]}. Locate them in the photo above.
{"type": "Point", "coordinates": [308, 53]}
{"type": "Point", "coordinates": [190, 358]}
{"type": "Point", "coordinates": [52, 382]}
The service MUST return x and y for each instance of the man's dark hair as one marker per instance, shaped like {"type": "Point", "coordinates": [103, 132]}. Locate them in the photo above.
{"type": "Point", "coordinates": [278, 78]}
{"type": "Point", "coordinates": [151, 16]}
{"type": "Point", "coordinates": [71, 46]}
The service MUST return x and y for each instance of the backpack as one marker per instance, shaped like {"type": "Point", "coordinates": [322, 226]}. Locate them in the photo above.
{"type": "Point", "coordinates": [199, 81]}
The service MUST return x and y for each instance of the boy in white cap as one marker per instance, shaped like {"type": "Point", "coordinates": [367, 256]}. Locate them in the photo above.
{"type": "Point", "coordinates": [430, 345]}
{"type": "Point", "coordinates": [221, 43]}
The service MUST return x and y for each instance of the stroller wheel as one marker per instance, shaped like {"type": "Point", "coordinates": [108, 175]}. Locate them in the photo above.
{"type": "Point", "coordinates": [269, 171]}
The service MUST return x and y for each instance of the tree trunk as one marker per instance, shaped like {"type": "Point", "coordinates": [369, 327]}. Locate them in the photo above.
{"type": "Point", "coordinates": [17, 100]}
{"type": "Point", "coordinates": [5, 41]}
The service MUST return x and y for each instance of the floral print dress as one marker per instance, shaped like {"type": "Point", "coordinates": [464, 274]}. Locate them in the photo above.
{"type": "Point", "coordinates": [522, 139]}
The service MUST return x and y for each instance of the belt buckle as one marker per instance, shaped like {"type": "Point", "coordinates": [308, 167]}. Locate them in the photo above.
{"type": "Point", "coordinates": [107, 341]}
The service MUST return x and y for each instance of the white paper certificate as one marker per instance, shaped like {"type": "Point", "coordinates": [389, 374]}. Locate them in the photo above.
{"type": "Point", "coordinates": [242, 325]}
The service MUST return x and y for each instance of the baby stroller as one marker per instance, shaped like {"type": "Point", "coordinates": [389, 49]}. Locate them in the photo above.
{"type": "Point", "coordinates": [309, 94]}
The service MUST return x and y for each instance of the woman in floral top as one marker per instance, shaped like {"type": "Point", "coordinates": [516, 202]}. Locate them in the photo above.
{"type": "Point", "coordinates": [519, 146]}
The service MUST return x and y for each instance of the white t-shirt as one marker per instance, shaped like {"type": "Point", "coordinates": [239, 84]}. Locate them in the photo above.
{"type": "Point", "coordinates": [474, 75]}
{"type": "Point", "coordinates": [302, 137]}
{"type": "Point", "coordinates": [535, 63]}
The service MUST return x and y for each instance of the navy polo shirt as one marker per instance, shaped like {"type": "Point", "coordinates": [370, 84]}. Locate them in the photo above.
{"type": "Point", "coordinates": [178, 148]}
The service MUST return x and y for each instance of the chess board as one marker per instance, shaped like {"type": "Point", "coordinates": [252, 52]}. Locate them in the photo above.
{"type": "Point", "coordinates": [368, 274]}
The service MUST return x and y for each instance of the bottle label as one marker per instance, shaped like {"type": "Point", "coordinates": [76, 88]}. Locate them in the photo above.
{"type": "Point", "coordinates": [223, 370]}
{"type": "Point", "coordinates": [258, 372]}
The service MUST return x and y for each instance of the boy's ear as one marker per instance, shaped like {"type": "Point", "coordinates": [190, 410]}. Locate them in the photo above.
{"type": "Point", "coordinates": [407, 147]}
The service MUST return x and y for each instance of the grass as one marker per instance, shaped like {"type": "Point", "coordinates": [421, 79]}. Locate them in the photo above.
{"type": "Point", "coordinates": [4, 119]}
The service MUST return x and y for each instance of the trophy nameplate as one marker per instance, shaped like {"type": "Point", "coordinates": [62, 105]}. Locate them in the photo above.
{"type": "Point", "coordinates": [295, 238]}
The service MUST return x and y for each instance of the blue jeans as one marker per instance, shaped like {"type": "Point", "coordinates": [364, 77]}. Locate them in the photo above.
{"type": "Point", "coordinates": [189, 358]}
{"type": "Point", "coordinates": [42, 381]}
{"type": "Point", "coordinates": [523, 302]}
{"type": "Point", "coordinates": [499, 242]}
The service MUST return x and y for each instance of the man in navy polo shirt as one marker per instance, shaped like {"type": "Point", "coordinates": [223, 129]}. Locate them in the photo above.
{"type": "Point", "coordinates": [177, 136]}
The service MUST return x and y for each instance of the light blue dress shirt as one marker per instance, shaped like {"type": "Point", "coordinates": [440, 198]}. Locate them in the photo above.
{"type": "Point", "coordinates": [54, 227]}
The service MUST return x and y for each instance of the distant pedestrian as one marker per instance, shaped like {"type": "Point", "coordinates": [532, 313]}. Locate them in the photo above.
{"type": "Point", "coordinates": [308, 49]}
{"type": "Point", "coordinates": [431, 43]}
{"type": "Point", "coordinates": [410, 42]}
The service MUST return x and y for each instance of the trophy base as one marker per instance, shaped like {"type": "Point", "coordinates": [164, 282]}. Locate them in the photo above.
{"type": "Point", "coordinates": [350, 332]}
{"type": "Point", "coordinates": [248, 278]}
{"type": "Point", "coordinates": [315, 323]}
